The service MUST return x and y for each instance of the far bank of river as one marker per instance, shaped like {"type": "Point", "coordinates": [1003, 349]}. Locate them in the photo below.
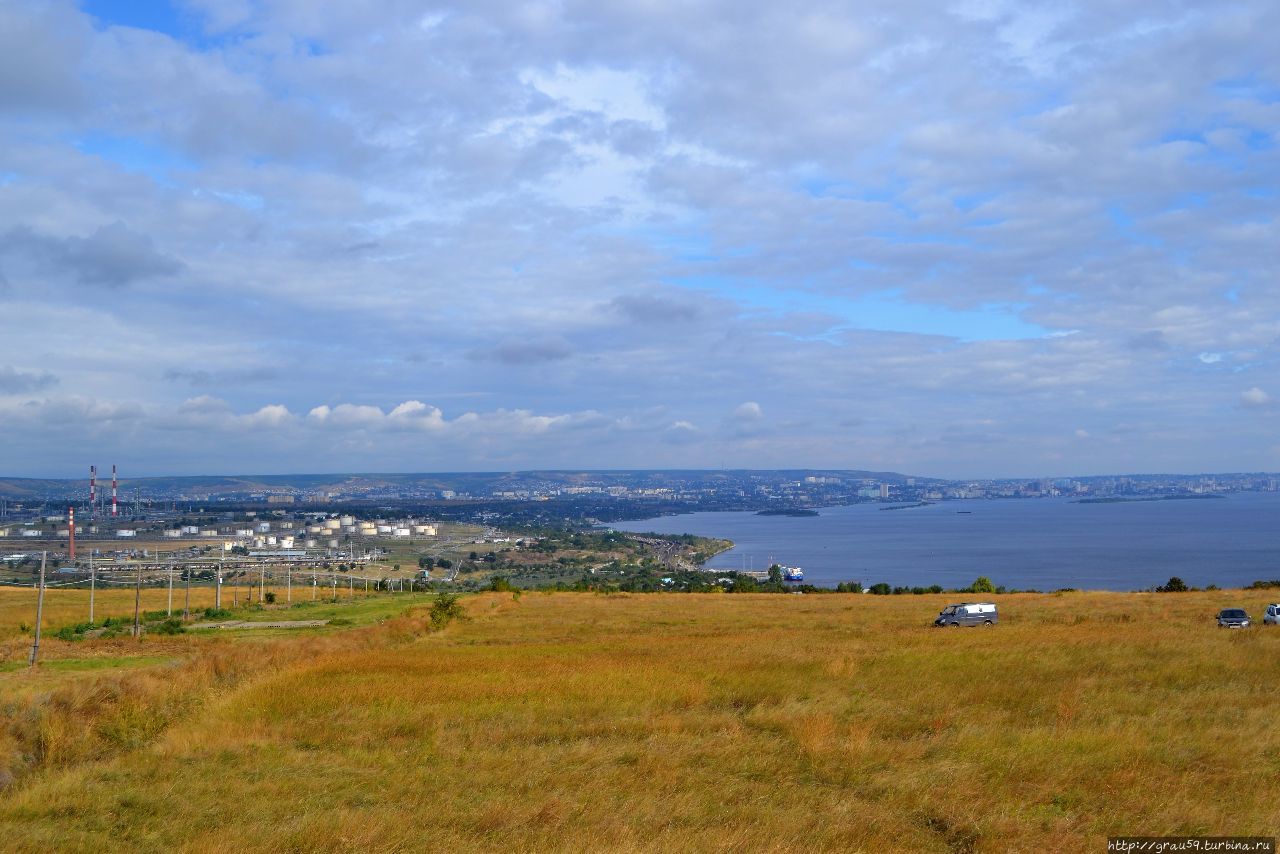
{"type": "Point", "coordinates": [1043, 544]}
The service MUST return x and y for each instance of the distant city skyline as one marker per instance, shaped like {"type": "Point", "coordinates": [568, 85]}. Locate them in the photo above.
{"type": "Point", "coordinates": [984, 240]}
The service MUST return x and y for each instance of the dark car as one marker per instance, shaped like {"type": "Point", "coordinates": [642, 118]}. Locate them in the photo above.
{"type": "Point", "coordinates": [1233, 618]}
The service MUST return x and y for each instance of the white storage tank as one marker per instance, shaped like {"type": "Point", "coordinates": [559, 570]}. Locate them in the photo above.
{"type": "Point", "coordinates": [172, 533]}
{"type": "Point", "coordinates": [333, 544]}
{"type": "Point", "coordinates": [384, 529]}
{"type": "Point", "coordinates": [425, 530]}
{"type": "Point", "coordinates": [332, 524]}
{"type": "Point", "coordinates": [347, 520]}
{"type": "Point", "coordinates": [401, 532]}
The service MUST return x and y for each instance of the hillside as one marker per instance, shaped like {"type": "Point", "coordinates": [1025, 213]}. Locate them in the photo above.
{"type": "Point", "coordinates": [668, 722]}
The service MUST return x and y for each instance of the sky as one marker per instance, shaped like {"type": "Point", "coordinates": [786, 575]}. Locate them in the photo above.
{"type": "Point", "coordinates": [970, 239]}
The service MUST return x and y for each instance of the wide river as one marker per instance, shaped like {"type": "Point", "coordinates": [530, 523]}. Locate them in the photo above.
{"type": "Point", "coordinates": [1045, 544]}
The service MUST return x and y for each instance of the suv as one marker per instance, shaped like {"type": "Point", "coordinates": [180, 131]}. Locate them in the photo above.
{"type": "Point", "coordinates": [1233, 618]}
{"type": "Point", "coordinates": [1272, 615]}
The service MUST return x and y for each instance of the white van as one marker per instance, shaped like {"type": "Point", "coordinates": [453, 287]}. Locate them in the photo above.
{"type": "Point", "coordinates": [968, 614]}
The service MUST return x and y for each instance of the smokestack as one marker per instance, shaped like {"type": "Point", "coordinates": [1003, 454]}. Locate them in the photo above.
{"type": "Point", "coordinates": [93, 491]}
{"type": "Point", "coordinates": [113, 491]}
{"type": "Point", "coordinates": [71, 530]}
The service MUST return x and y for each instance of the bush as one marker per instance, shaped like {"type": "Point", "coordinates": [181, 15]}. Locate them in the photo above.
{"type": "Point", "coordinates": [981, 584]}
{"type": "Point", "coordinates": [1173, 585]}
{"type": "Point", "coordinates": [219, 613]}
{"type": "Point", "coordinates": [445, 609]}
{"type": "Point", "coordinates": [171, 626]}
{"type": "Point", "coordinates": [270, 596]}
{"type": "Point", "coordinates": [881, 589]}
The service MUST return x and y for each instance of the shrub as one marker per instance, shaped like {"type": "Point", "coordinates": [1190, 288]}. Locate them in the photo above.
{"type": "Point", "coordinates": [171, 626]}
{"type": "Point", "coordinates": [218, 613]}
{"type": "Point", "coordinates": [1173, 585]}
{"type": "Point", "coordinates": [445, 609]}
{"type": "Point", "coordinates": [981, 584]}
{"type": "Point", "coordinates": [881, 589]}
{"type": "Point", "coordinates": [270, 596]}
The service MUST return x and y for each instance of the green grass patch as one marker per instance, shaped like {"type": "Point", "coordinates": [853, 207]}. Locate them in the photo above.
{"type": "Point", "coordinates": [69, 665]}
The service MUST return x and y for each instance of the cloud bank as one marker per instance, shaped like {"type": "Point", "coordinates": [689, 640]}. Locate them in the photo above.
{"type": "Point", "coordinates": [964, 240]}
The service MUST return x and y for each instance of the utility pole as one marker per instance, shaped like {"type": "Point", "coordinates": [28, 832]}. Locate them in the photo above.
{"type": "Point", "coordinates": [262, 581]}
{"type": "Point", "coordinates": [186, 608]}
{"type": "Point", "coordinates": [288, 583]}
{"type": "Point", "coordinates": [93, 584]}
{"type": "Point", "coordinates": [314, 584]}
{"type": "Point", "coordinates": [35, 647]}
{"type": "Point", "coordinates": [335, 586]}
{"type": "Point", "coordinates": [169, 611]}
{"type": "Point", "coordinates": [217, 588]}
{"type": "Point", "coordinates": [137, 605]}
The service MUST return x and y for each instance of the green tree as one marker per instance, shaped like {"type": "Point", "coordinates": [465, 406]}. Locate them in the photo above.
{"type": "Point", "coordinates": [1174, 585]}
{"type": "Point", "coordinates": [775, 574]}
{"type": "Point", "coordinates": [982, 585]}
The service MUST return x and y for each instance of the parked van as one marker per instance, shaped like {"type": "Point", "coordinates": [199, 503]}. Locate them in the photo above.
{"type": "Point", "coordinates": [968, 614]}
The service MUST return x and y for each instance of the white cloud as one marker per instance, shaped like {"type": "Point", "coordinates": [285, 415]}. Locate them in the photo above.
{"type": "Point", "coordinates": [595, 228]}
{"type": "Point", "coordinates": [1254, 398]}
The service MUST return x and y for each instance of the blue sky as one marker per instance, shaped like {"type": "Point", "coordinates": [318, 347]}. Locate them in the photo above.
{"type": "Point", "coordinates": [986, 238]}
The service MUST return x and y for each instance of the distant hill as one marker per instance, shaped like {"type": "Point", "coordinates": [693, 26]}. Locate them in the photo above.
{"type": "Point", "coordinates": [472, 482]}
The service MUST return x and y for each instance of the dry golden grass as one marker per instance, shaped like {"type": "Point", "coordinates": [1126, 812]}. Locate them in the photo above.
{"type": "Point", "coordinates": [577, 722]}
{"type": "Point", "coordinates": [70, 606]}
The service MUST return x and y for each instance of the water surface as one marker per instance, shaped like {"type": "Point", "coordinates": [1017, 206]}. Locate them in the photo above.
{"type": "Point", "coordinates": [1043, 544]}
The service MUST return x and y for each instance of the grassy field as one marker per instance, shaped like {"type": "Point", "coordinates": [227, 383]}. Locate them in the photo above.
{"type": "Point", "coordinates": [580, 722]}
{"type": "Point", "coordinates": [63, 607]}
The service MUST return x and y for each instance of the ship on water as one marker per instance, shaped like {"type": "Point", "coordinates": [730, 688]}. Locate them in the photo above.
{"type": "Point", "coordinates": [792, 573]}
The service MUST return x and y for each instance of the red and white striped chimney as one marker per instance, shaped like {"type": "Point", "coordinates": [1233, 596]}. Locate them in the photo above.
{"type": "Point", "coordinates": [113, 491]}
